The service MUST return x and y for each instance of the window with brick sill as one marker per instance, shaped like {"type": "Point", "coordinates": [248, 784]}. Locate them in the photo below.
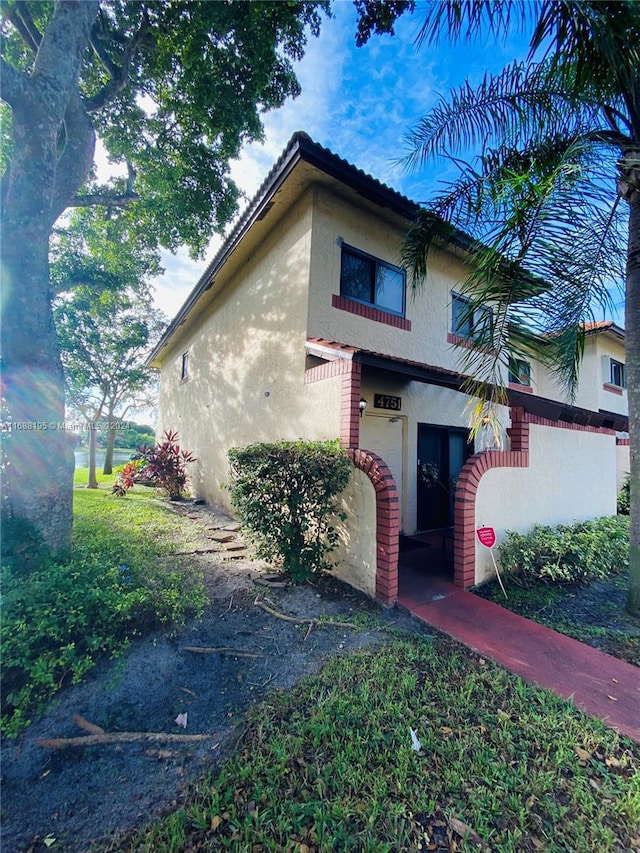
{"type": "Point", "coordinates": [371, 281]}
{"type": "Point", "coordinates": [519, 372]}
{"type": "Point", "coordinates": [614, 374]}
{"type": "Point", "coordinates": [473, 325]}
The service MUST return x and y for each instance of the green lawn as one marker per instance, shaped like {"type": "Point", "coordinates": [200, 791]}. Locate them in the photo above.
{"type": "Point", "coordinates": [330, 767]}
{"type": "Point", "coordinates": [59, 618]}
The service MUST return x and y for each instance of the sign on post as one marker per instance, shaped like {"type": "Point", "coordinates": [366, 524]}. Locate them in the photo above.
{"type": "Point", "coordinates": [487, 537]}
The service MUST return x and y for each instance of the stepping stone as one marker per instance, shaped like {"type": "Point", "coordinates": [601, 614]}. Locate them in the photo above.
{"type": "Point", "coordinates": [221, 536]}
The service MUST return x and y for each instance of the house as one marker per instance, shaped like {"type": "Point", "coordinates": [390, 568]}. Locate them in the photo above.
{"type": "Point", "coordinates": [302, 327]}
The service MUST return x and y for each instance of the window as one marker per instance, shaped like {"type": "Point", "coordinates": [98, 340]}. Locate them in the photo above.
{"type": "Point", "coordinates": [184, 370]}
{"type": "Point", "coordinates": [519, 371]}
{"type": "Point", "coordinates": [470, 324]}
{"type": "Point", "coordinates": [617, 375]}
{"type": "Point", "coordinates": [369, 280]}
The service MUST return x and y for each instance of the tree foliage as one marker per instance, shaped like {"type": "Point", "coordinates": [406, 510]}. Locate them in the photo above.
{"type": "Point", "coordinates": [104, 339]}
{"type": "Point", "coordinates": [173, 90]}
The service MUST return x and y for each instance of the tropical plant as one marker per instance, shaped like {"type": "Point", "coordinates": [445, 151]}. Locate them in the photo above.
{"type": "Point", "coordinates": [163, 465]}
{"type": "Point", "coordinates": [173, 90]}
{"type": "Point", "coordinates": [551, 203]}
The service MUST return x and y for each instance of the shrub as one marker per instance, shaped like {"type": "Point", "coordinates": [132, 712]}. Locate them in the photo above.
{"type": "Point", "coordinates": [576, 553]}
{"type": "Point", "coordinates": [285, 495]}
{"type": "Point", "coordinates": [63, 616]}
{"type": "Point", "coordinates": [162, 466]}
{"type": "Point", "coordinates": [624, 497]}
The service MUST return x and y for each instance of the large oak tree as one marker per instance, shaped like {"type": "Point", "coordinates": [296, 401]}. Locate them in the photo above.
{"type": "Point", "coordinates": [173, 89]}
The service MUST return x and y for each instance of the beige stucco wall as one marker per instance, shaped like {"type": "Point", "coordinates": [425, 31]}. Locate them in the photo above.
{"type": "Point", "coordinates": [623, 464]}
{"type": "Point", "coordinates": [355, 558]}
{"type": "Point", "coordinates": [247, 362]}
{"type": "Point", "coordinates": [591, 392]}
{"type": "Point", "coordinates": [336, 220]}
{"type": "Point", "coordinates": [571, 476]}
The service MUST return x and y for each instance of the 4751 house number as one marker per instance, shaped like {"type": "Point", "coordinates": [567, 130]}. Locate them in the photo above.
{"type": "Point", "coordinates": [385, 401]}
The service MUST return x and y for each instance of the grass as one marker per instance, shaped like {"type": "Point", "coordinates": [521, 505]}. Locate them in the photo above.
{"type": "Point", "coordinates": [60, 618]}
{"type": "Point", "coordinates": [593, 613]}
{"type": "Point", "coordinates": [329, 767]}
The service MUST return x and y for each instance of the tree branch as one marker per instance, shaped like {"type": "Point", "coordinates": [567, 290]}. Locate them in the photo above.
{"type": "Point", "coordinates": [96, 199]}
{"type": "Point", "coordinates": [119, 74]}
{"type": "Point", "coordinates": [15, 84]}
{"type": "Point", "coordinates": [76, 159]}
{"type": "Point", "coordinates": [18, 14]}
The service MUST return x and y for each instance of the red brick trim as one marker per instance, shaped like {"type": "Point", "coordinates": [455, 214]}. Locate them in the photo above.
{"type": "Point", "coordinates": [536, 419]}
{"type": "Point", "coordinates": [465, 343]}
{"type": "Point", "coordinates": [526, 389]}
{"type": "Point", "coordinates": [387, 522]}
{"type": "Point", "coordinates": [370, 312]}
{"type": "Point", "coordinates": [623, 442]}
{"type": "Point", "coordinates": [350, 404]}
{"type": "Point", "coordinates": [338, 367]}
{"type": "Point", "coordinates": [612, 389]}
{"type": "Point", "coordinates": [464, 514]}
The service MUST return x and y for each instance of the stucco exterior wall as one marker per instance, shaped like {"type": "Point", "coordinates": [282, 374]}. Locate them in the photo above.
{"type": "Point", "coordinates": [571, 476]}
{"type": "Point", "coordinates": [336, 220]}
{"type": "Point", "coordinates": [623, 464]}
{"type": "Point", "coordinates": [247, 362]}
{"type": "Point", "coordinates": [355, 558]}
{"type": "Point", "coordinates": [591, 392]}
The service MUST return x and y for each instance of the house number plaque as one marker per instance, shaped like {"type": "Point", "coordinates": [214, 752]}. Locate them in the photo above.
{"type": "Point", "coordinates": [385, 401]}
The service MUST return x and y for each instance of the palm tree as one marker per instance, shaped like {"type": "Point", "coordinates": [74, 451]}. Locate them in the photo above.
{"type": "Point", "coordinates": [552, 201]}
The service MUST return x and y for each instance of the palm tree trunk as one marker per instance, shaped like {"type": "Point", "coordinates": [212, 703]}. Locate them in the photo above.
{"type": "Point", "coordinates": [632, 325]}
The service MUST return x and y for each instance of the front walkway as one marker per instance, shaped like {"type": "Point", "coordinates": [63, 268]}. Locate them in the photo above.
{"type": "Point", "coordinates": [599, 684]}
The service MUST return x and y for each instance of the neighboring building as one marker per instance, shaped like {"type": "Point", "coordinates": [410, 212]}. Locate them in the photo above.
{"type": "Point", "coordinates": [303, 319]}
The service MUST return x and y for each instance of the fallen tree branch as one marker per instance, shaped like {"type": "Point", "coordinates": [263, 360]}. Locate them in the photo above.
{"type": "Point", "coordinates": [298, 620]}
{"type": "Point", "coordinates": [81, 723]}
{"type": "Point", "coordinates": [118, 737]}
{"type": "Point", "coordinates": [221, 650]}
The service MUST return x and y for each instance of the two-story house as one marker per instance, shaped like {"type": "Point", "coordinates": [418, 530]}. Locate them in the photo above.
{"type": "Point", "coordinates": [302, 327]}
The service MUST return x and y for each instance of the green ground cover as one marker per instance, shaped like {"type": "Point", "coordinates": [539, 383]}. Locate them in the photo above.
{"type": "Point", "coordinates": [59, 618]}
{"type": "Point", "coordinates": [330, 766]}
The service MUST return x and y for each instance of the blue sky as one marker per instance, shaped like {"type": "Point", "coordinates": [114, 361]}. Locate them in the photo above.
{"type": "Point", "coordinates": [359, 103]}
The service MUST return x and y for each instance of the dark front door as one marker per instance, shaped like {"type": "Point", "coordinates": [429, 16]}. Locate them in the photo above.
{"type": "Point", "coordinates": [442, 451]}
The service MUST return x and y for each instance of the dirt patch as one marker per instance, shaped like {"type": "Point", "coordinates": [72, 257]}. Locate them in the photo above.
{"type": "Point", "coordinates": [83, 794]}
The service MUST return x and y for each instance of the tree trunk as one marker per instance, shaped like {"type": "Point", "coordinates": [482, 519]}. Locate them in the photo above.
{"type": "Point", "coordinates": [37, 454]}
{"type": "Point", "coordinates": [632, 326]}
{"type": "Point", "coordinates": [111, 440]}
{"type": "Point", "coordinates": [41, 180]}
{"type": "Point", "coordinates": [93, 434]}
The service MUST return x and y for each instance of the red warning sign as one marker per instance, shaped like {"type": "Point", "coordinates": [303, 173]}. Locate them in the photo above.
{"type": "Point", "coordinates": [487, 536]}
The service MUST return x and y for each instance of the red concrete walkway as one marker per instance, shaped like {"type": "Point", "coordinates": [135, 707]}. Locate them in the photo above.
{"type": "Point", "coordinates": [599, 684]}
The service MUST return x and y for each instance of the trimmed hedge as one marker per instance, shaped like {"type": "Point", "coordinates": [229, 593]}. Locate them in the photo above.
{"type": "Point", "coordinates": [285, 494]}
{"type": "Point", "coordinates": [575, 553]}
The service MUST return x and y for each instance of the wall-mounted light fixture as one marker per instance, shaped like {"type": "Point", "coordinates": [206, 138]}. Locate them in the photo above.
{"type": "Point", "coordinates": [362, 405]}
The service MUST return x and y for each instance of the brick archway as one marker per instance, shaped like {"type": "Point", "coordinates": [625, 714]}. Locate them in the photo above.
{"type": "Point", "coordinates": [464, 513]}
{"type": "Point", "coordinates": [387, 522]}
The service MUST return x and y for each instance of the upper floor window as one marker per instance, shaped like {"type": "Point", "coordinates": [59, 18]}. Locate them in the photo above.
{"type": "Point", "coordinates": [372, 281]}
{"type": "Point", "coordinates": [184, 370]}
{"type": "Point", "coordinates": [614, 372]}
{"type": "Point", "coordinates": [519, 372]}
{"type": "Point", "coordinates": [468, 322]}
